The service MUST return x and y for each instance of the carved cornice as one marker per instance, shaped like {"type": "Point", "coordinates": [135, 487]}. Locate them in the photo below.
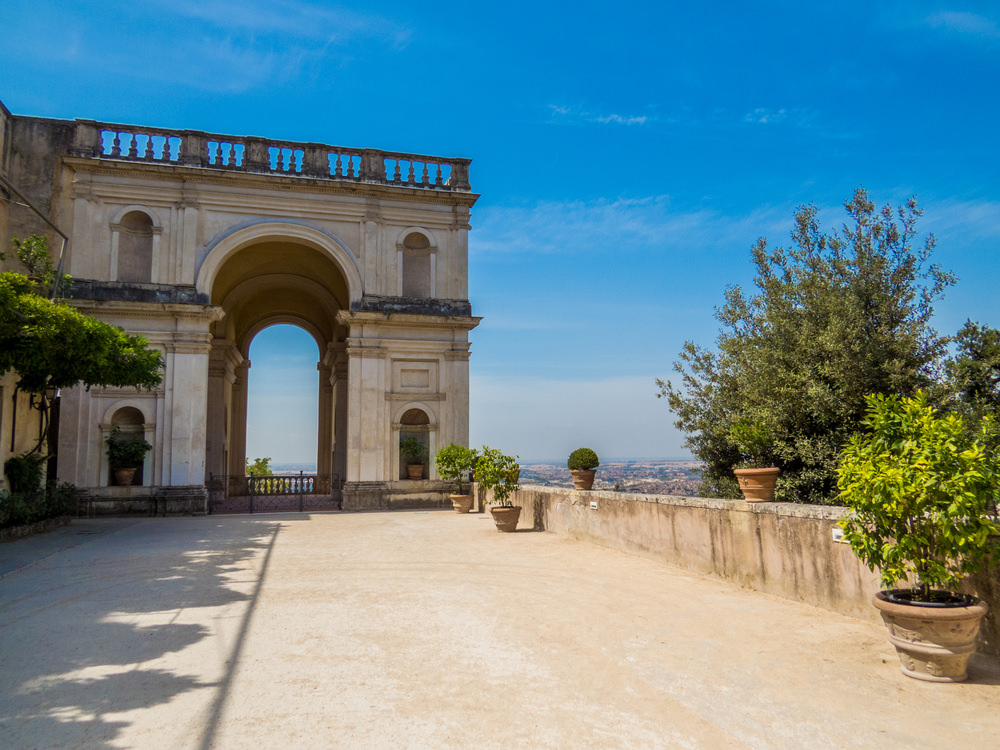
{"type": "Point", "coordinates": [253, 180]}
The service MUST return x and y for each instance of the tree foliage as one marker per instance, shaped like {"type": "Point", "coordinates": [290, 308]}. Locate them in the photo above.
{"type": "Point", "coordinates": [922, 488]}
{"type": "Point", "coordinates": [973, 373]}
{"type": "Point", "coordinates": [259, 467]}
{"type": "Point", "coordinates": [51, 345]}
{"type": "Point", "coordinates": [834, 318]}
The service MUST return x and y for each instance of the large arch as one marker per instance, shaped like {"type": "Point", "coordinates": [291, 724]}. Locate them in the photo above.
{"type": "Point", "coordinates": [260, 276]}
{"type": "Point", "coordinates": [222, 247]}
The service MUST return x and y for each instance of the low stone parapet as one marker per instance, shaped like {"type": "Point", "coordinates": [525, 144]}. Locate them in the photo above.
{"type": "Point", "coordinates": [784, 549]}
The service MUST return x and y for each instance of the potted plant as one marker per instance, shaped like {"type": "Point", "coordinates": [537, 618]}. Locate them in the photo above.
{"type": "Point", "coordinates": [413, 451]}
{"type": "Point", "coordinates": [125, 455]}
{"type": "Point", "coordinates": [756, 474]}
{"type": "Point", "coordinates": [498, 472]}
{"type": "Point", "coordinates": [582, 464]}
{"type": "Point", "coordinates": [454, 462]}
{"type": "Point", "coordinates": [922, 487]}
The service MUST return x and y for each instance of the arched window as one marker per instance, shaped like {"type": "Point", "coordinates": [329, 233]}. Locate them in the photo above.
{"type": "Point", "coordinates": [134, 235]}
{"type": "Point", "coordinates": [131, 423]}
{"type": "Point", "coordinates": [414, 424]}
{"type": "Point", "coordinates": [417, 266]}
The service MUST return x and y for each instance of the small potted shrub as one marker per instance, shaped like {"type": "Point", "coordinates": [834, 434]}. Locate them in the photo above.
{"type": "Point", "coordinates": [125, 455]}
{"type": "Point", "coordinates": [413, 451]}
{"type": "Point", "coordinates": [498, 472]}
{"type": "Point", "coordinates": [922, 489]}
{"type": "Point", "coordinates": [756, 474]}
{"type": "Point", "coordinates": [454, 462]}
{"type": "Point", "coordinates": [582, 464]}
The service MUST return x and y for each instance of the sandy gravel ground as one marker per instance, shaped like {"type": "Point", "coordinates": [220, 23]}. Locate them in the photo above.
{"type": "Point", "coordinates": [431, 630]}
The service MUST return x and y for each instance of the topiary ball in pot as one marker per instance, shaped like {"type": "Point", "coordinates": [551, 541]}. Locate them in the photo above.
{"type": "Point", "coordinates": [582, 464]}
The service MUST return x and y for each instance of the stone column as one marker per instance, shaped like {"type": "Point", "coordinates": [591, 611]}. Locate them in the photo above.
{"type": "Point", "coordinates": [324, 442]}
{"type": "Point", "coordinates": [238, 433]}
{"type": "Point", "coordinates": [223, 361]}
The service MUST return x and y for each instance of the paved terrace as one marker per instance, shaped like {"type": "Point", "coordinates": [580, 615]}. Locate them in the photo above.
{"type": "Point", "coordinates": [431, 630]}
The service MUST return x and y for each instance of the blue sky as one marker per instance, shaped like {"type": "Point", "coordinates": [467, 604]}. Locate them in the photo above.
{"type": "Point", "coordinates": [628, 155]}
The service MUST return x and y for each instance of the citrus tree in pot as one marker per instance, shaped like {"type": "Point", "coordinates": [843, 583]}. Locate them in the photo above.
{"type": "Point", "coordinates": [413, 451]}
{"type": "Point", "coordinates": [125, 455]}
{"type": "Point", "coordinates": [756, 473]}
{"type": "Point", "coordinates": [454, 462]}
{"type": "Point", "coordinates": [498, 472]}
{"type": "Point", "coordinates": [582, 465]}
{"type": "Point", "coordinates": [922, 489]}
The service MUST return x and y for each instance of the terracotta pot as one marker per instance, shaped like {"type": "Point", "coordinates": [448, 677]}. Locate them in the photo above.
{"type": "Point", "coordinates": [757, 485]}
{"type": "Point", "coordinates": [933, 642]}
{"type": "Point", "coordinates": [124, 477]}
{"type": "Point", "coordinates": [415, 471]}
{"type": "Point", "coordinates": [505, 516]}
{"type": "Point", "coordinates": [461, 503]}
{"type": "Point", "coordinates": [583, 479]}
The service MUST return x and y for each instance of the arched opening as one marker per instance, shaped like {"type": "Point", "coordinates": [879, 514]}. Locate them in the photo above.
{"type": "Point", "coordinates": [135, 248]}
{"type": "Point", "coordinates": [131, 425]}
{"type": "Point", "coordinates": [278, 294]}
{"type": "Point", "coordinates": [416, 270]}
{"type": "Point", "coordinates": [283, 398]}
{"type": "Point", "coordinates": [414, 424]}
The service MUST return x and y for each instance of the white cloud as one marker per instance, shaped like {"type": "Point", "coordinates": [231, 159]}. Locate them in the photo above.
{"type": "Point", "coordinates": [575, 114]}
{"type": "Point", "coordinates": [623, 224]}
{"type": "Point", "coordinates": [965, 23]}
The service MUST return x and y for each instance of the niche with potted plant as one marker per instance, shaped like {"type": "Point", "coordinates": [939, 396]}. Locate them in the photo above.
{"type": "Point", "coordinates": [127, 424]}
{"type": "Point", "coordinates": [414, 444]}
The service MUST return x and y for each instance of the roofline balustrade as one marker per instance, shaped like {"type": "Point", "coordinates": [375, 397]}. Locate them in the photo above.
{"type": "Point", "coordinates": [254, 155]}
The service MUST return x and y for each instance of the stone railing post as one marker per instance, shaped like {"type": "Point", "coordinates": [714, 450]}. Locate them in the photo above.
{"type": "Point", "coordinates": [372, 165]}
{"type": "Point", "coordinates": [87, 139]}
{"type": "Point", "coordinates": [459, 179]}
{"type": "Point", "coordinates": [192, 150]}
{"type": "Point", "coordinates": [255, 156]}
{"type": "Point", "coordinates": [315, 162]}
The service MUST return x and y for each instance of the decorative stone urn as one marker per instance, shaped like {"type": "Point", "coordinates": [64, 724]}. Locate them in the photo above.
{"type": "Point", "coordinates": [583, 479]}
{"type": "Point", "coordinates": [934, 642]}
{"type": "Point", "coordinates": [506, 516]}
{"type": "Point", "coordinates": [461, 503]}
{"type": "Point", "coordinates": [757, 485]}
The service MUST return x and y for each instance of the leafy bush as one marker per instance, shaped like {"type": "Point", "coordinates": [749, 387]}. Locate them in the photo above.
{"type": "Point", "coordinates": [922, 488]}
{"type": "Point", "coordinates": [498, 472]}
{"type": "Point", "coordinates": [126, 452]}
{"type": "Point", "coordinates": [24, 472]}
{"type": "Point", "coordinates": [754, 441]}
{"type": "Point", "coordinates": [582, 458]}
{"type": "Point", "coordinates": [23, 508]}
{"type": "Point", "coordinates": [454, 462]}
{"type": "Point", "coordinates": [413, 449]}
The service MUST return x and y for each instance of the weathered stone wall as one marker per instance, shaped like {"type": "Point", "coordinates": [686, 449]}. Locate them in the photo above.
{"type": "Point", "coordinates": [782, 549]}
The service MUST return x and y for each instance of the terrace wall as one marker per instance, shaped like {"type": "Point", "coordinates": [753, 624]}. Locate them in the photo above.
{"type": "Point", "coordinates": [783, 549]}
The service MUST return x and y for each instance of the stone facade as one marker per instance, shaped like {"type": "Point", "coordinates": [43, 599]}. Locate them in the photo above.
{"type": "Point", "coordinates": [199, 241]}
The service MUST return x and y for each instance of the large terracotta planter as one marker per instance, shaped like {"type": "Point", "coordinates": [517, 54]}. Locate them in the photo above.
{"type": "Point", "coordinates": [415, 471]}
{"type": "Point", "coordinates": [461, 503]}
{"type": "Point", "coordinates": [124, 477]}
{"type": "Point", "coordinates": [506, 516]}
{"type": "Point", "coordinates": [757, 485]}
{"type": "Point", "coordinates": [583, 479]}
{"type": "Point", "coordinates": [933, 642]}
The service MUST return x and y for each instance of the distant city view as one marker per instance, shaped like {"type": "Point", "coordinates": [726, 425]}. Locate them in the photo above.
{"type": "Point", "coordinates": [645, 477]}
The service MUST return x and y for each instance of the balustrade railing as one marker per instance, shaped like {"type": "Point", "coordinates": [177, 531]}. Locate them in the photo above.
{"type": "Point", "coordinates": [190, 148]}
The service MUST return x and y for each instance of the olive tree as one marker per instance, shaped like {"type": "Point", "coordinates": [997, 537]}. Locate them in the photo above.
{"type": "Point", "coordinates": [833, 318]}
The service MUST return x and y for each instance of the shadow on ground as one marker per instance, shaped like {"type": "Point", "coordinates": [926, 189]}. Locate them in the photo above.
{"type": "Point", "coordinates": [88, 632]}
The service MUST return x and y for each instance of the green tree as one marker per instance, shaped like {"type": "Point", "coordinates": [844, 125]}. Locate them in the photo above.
{"type": "Point", "coordinates": [259, 467]}
{"type": "Point", "coordinates": [52, 345]}
{"type": "Point", "coordinates": [834, 318]}
{"type": "Point", "coordinates": [973, 373]}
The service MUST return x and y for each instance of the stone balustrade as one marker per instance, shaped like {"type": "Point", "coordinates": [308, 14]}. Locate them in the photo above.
{"type": "Point", "coordinates": [191, 148]}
